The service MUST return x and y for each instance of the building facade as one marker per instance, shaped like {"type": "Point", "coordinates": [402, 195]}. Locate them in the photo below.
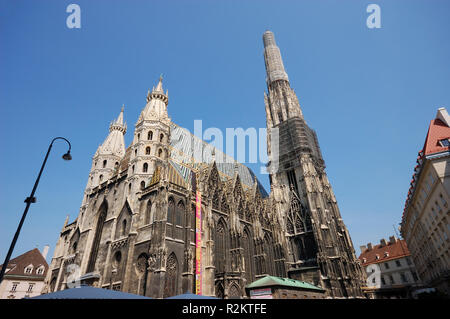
{"type": "Point", "coordinates": [390, 268]}
{"type": "Point", "coordinates": [426, 220]}
{"type": "Point", "coordinates": [135, 231]}
{"type": "Point", "coordinates": [24, 276]}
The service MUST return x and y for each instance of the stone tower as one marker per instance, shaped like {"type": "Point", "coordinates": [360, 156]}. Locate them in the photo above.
{"type": "Point", "coordinates": [150, 147]}
{"type": "Point", "coordinates": [105, 161]}
{"type": "Point", "coordinates": [317, 242]}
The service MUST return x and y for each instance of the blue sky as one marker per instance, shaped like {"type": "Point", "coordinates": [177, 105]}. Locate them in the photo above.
{"type": "Point", "coordinates": [369, 93]}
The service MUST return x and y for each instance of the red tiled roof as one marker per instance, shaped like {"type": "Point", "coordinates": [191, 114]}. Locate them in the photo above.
{"type": "Point", "coordinates": [437, 131]}
{"type": "Point", "coordinates": [396, 250]}
{"type": "Point", "coordinates": [19, 264]}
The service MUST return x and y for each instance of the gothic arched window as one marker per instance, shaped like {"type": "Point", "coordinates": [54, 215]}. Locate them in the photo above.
{"type": "Point", "coordinates": [259, 261]}
{"type": "Point", "coordinates": [142, 270]}
{"type": "Point", "coordinates": [147, 150]}
{"type": "Point", "coordinates": [117, 258]}
{"type": "Point", "coordinates": [289, 226]}
{"type": "Point", "coordinates": [98, 234]}
{"type": "Point", "coordinates": [161, 137]}
{"type": "Point", "coordinates": [224, 204]}
{"type": "Point", "coordinates": [124, 227]}
{"type": "Point", "coordinates": [145, 168]}
{"type": "Point", "coordinates": [297, 220]}
{"type": "Point", "coordinates": [299, 225]}
{"type": "Point", "coordinates": [180, 214]}
{"type": "Point", "coordinates": [220, 247]}
{"type": "Point", "coordinates": [170, 217]}
{"type": "Point", "coordinates": [268, 251]}
{"type": "Point", "coordinates": [148, 213]}
{"type": "Point", "coordinates": [142, 185]}
{"type": "Point", "coordinates": [248, 253]}
{"type": "Point", "coordinates": [160, 152]}
{"type": "Point", "coordinates": [104, 163]}
{"type": "Point", "coordinates": [241, 210]}
{"type": "Point", "coordinates": [171, 211]}
{"type": "Point", "coordinates": [170, 287]}
{"type": "Point", "coordinates": [150, 135]}
{"type": "Point", "coordinates": [53, 284]}
{"type": "Point", "coordinates": [179, 220]}
{"type": "Point", "coordinates": [192, 221]}
{"type": "Point", "coordinates": [100, 178]}
{"type": "Point", "coordinates": [74, 247]}
{"type": "Point", "coordinates": [216, 199]}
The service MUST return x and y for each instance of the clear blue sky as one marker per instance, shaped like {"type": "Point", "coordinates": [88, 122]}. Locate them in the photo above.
{"type": "Point", "coordinates": [369, 93]}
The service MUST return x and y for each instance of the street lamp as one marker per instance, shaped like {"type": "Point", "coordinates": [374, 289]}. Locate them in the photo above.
{"type": "Point", "coordinates": [29, 200]}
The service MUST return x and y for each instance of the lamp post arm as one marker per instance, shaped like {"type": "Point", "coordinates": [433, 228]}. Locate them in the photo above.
{"type": "Point", "coordinates": [28, 201]}
{"type": "Point", "coordinates": [61, 138]}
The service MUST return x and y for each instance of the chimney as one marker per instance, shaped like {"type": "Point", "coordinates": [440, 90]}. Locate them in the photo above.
{"type": "Point", "coordinates": [392, 240]}
{"type": "Point", "coordinates": [45, 251]}
{"type": "Point", "coordinates": [443, 115]}
{"type": "Point", "coordinates": [369, 246]}
{"type": "Point", "coordinates": [383, 242]}
{"type": "Point", "coordinates": [363, 248]}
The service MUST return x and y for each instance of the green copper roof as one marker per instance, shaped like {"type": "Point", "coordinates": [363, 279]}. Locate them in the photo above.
{"type": "Point", "coordinates": [277, 281]}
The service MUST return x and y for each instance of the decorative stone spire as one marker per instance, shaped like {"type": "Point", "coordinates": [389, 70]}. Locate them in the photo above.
{"type": "Point", "coordinates": [274, 64]}
{"type": "Point", "coordinates": [118, 124]}
{"type": "Point", "coordinates": [157, 102]}
{"type": "Point", "coordinates": [159, 87]}
{"type": "Point", "coordinates": [114, 143]}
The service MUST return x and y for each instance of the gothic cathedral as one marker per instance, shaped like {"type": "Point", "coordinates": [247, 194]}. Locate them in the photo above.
{"type": "Point", "coordinates": [136, 229]}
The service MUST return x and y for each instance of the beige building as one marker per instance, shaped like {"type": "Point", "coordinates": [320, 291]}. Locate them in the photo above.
{"type": "Point", "coordinates": [24, 276]}
{"type": "Point", "coordinates": [391, 273]}
{"type": "Point", "coordinates": [425, 222]}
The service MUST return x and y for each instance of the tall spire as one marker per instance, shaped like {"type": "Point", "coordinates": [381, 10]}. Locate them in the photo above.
{"type": "Point", "coordinates": [159, 87]}
{"type": "Point", "coordinates": [281, 101]}
{"type": "Point", "coordinates": [274, 64]}
{"type": "Point", "coordinates": [114, 143]}
{"type": "Point", "coordinates": [118, 124]}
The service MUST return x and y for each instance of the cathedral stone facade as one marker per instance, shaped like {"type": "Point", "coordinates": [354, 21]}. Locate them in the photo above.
{"type": "Point", "coordinates": [135, 231]}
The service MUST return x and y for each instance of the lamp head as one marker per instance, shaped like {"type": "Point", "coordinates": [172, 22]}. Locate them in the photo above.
{"type": "Point", "coordinates": [67, 156]}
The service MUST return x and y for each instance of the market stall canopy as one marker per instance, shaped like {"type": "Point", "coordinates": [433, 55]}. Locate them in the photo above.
{"type": "Point", "coordinates": [88, 292]}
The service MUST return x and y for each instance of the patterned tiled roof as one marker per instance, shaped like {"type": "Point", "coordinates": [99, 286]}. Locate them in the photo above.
{"type": "Point", "coordinates": [183, 147]}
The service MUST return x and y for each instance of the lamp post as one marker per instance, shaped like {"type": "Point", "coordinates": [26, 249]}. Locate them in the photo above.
{"type": "Point", "coordinates": [29, 200]}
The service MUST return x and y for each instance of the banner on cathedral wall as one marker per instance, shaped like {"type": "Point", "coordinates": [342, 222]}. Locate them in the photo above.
{"type": "Point", "coordinates": [198, 243]}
